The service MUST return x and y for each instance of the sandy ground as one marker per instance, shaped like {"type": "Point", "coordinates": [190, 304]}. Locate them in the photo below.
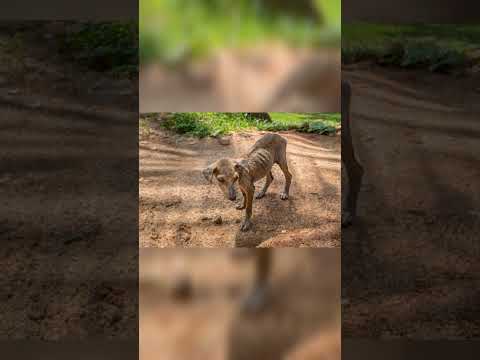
{"type": "Point", "coordinates": [178, 206]}
{"type": "Point", "coordinates": [400, 349]}
{"type": "Point", "coordinates": [410, 265]}
{"type": "Point", "coordinates": [246, 80]}
{"type": "Point", "coordinates": [209, 324]}
{"type": "Point", "coordinates": [68, 209]}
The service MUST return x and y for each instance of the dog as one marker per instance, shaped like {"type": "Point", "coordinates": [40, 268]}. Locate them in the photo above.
{"type": "Point", "coordinates": [257, 164]}
{"type": "Point", "coordinates": [354, 170]}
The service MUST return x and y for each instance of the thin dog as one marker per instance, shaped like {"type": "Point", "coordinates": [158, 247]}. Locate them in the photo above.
{"type": "Point", "coordinates": [257, 164]}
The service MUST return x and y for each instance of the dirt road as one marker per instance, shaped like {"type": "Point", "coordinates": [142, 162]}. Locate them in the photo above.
{"type": "Point", "coordinates": [246, 80]}
{"type": "Point", "coordinates": [410, 265]}
{"type": "Point", "coordinates": [68, 190]}
{"type": "Point", "coordinates": [208, 324]}
{"type": "Point", "coordinates": [178, 206]}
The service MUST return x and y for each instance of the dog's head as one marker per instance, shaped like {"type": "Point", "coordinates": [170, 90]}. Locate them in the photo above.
{"type": "Point", "coordinates": [224, 174]}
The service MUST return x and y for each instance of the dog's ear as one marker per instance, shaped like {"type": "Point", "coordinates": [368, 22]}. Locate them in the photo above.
{"type": "Point", "coordinates": [209, 172]}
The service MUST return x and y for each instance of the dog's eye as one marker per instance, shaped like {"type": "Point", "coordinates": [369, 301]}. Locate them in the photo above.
{"type": "Point", "coordinates": [221, 179]}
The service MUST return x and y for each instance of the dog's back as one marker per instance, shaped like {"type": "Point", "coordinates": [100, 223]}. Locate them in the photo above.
{"type": "Point", "coordinates": [269, 149]}
{"type": "Point", "coordinates": [273, 143]}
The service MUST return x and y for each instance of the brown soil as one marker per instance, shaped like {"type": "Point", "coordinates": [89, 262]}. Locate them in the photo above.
{"type": "Point", "coordinates": [178, 206]}
{"type": "Point", "coordinates": [246, 80]}
{"type": "Point", "coordinates": [68, 212]}
{"type": "Point", "coordinates": [410, 264]}
{"type": "Point", "coordinates": [305, 286]}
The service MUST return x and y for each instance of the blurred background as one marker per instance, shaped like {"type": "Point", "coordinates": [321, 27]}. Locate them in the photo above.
{"type": "Point", "coordinates": [249, 55]}
{"type": "Point", "coordinates": [190, 305]}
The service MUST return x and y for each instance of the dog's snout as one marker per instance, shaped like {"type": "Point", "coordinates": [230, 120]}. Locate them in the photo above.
{"type": "Point", "coordinates": [232, 194]}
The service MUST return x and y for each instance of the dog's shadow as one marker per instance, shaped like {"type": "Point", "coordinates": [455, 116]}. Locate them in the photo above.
{"type": "Point", "coordinates": [272, 216]}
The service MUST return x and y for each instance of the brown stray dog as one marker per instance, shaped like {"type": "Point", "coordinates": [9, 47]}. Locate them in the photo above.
{"type": "Point", "coordinates": [257, 164]}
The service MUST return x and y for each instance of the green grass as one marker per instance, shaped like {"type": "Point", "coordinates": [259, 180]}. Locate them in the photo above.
{"type": "Point", "coordinates": [172, 31]}
{"type": "Point", "coordinates": [435, 47]}
{"type": "Point", "coordinates": [214, 124]}
{"type": "Point", "coordinates": [105, 46]}
{"type": "Point", "coordinates": [305, 122]}
{"type": "Point", "coordinates": [144, 126]}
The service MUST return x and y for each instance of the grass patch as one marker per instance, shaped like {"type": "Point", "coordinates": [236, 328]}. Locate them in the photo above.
{"type": "Point", "coordinates": [173, 31]}
{"type": "Point", "coordinates": [144, 126]}
{"type": "Point", "coordinates": [438, 48]}
{"type": "Point", "coordinates": [319, 123]}
{"type": "Point", "coordinates": [105, 46]}
{"type": "Point", "coordinates": [202, 124]}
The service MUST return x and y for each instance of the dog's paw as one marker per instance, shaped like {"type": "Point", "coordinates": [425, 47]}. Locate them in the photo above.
{"type": "Point", "coordinates": [240, 207]}
{"type": "Point", "coordinates": [284, 196]}
{"type": "Point", "coordinates": [246, 225]}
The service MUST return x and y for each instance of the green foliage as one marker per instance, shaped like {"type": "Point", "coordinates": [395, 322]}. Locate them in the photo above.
{"type": "Point", "coordinates": [203, 124]}
{"type": "Point", "coordinates": [331, 11]}
{"type": "Point", "coordinates": [427, 53]}
{"type": "Point", "coordinates": [109, 46]}
{"type": "Point", "coordinates": [437, 48]}
{"type": "Point", "coordinates": [175, 31]}
{"type": "Point", "coordinates": [188, 123]}
{"type": "Point", "coordinates": [14, 55]}
{"type": "Point", "coordinates": [144, 126]}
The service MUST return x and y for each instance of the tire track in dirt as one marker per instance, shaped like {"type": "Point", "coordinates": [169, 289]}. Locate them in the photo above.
{"type": "Point", "coordinates": [176, 203]}
{"type": "Point", "coordinates": [68, 207]}
{"type": "Point", "coordinates": [420, 153]}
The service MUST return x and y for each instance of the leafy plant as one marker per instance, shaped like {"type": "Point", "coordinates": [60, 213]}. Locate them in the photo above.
{"type": "Point", "coordinates": [433, 47]}
{"type": "Point", "coordinates": [109, 46]}
{"type": "Point", "coordinates": [319, 127]}
{"type": "Point", "coordinates": [176, 31]}
{"type": "Point", "coordinates": [331, 11]}
{"type": "Point", "coordinates": [425, 53]}
{"type": "Point", "coordinates": [203, 124]}
{"type": "Point", "coordinates": [14, 56]}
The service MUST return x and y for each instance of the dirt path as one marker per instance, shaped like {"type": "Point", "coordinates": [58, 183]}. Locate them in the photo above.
{"type": "Point", "coordinates": [66, 189]}
{"type": "Point", "coordinates": [208, 325]}
{"type": "Point", "coordinates": [417, 137]}
{"type": "Point", "coordinates": [245, 80]}
{"type": "Point", "coordinates": [38, 69]}
{"type": "Point", "coordinates": [68, 210]}
{"type": "Point", "coordinates": [177, 205]}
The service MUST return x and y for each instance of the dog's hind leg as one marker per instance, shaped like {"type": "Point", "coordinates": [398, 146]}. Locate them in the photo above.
{"type": "Point", "coordinates": [268, 181]}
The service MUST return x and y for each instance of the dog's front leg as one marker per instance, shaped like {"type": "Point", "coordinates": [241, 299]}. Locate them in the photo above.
{"type": "Point", "coordinates": [247, 222]}
{"type": "Point", "coordinates": [259, 295]}
{"type": "Point", "coordinates": [244, 205]}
